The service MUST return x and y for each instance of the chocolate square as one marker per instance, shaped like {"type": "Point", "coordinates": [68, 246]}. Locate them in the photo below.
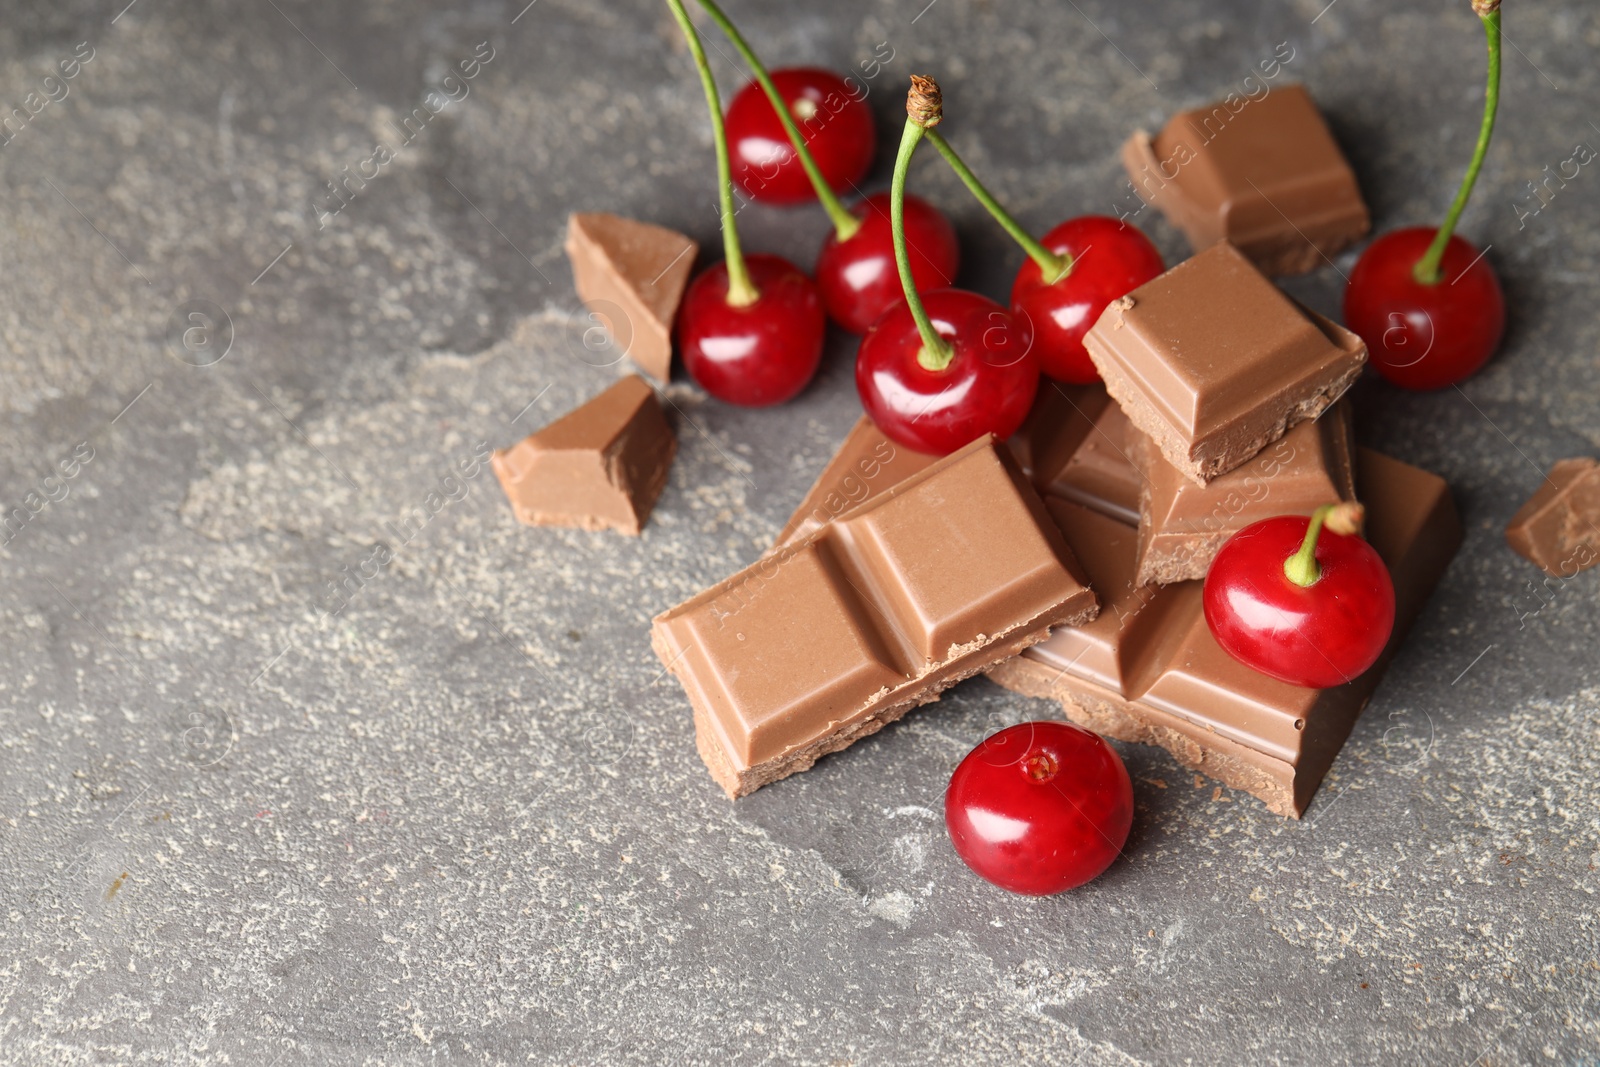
{"type": "Point", "coordinates": [1558, 529]}
{"type": "Point", "coordinates": [1214, 362]}
{"type": "Point", "coordinates": [1265, 174]}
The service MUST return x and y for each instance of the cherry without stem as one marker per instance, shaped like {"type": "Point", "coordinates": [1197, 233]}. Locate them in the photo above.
{"type": "Point", "coordinates": [1040, 807]}
{"type": "Point", "coordinates": [1107, 260]}
{"type": "Point", "coordinates": [1422, 336]}
{"type": "Point", "coordinates": [836, 124]}
{"type": "Point", "coordinates": [857, 275]}
{"type": "Point", "coordinates": [1318, 634]}
{"type": "Point", "coordinates": [758, 354]}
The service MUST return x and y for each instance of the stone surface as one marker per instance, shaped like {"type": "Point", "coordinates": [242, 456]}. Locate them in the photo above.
{"type": "Point", "coordinates": [458, 816]}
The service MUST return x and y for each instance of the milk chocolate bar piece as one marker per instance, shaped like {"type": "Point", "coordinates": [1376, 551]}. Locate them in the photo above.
{"type": "Point", "coordinates": [632, 276]}
{"type": "Point", "coordinates": [1558, 529]}
{"type": "Point", "coordinates": [866, 464]}
{"type": "Point", "coordinates": [1148, 670]}
{"type": "Point", "coordinates": [600, 466]}
{"type": "Point", "coordinates": [1182, 526]}
{"type": "Point", "coordinates": [837, 634]}
{"type": "Point", "coordinates": [1074, 445]}
{"type": "Point", "coordinates": [1265, 174]}
{"type": "Point", "coordinates": [1214, 362]}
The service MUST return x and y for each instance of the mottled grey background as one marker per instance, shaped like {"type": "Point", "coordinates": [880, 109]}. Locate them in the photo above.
{"type": "Point", "coordinates": [463, 821]}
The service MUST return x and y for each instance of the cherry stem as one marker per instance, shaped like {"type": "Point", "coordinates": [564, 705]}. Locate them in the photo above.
{"type": "Point", "coordinates": [935, 353]}
{"type": "Point", "coordinates": [741, 290]}
{"type": "Point", "coordinates": [1054, 267]}
{"type": "Point", "coordinates": [845, 224]}
{"type": "Point", "coordinates": [1427, 269]}
{"type": "Point", "coordinates": [1302, 568]}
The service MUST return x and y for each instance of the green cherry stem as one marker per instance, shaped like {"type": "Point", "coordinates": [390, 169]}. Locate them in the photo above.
{"type": "Point", "coordinates": [845, 224]}
{"type": "Point", "coordinates": [1427, 269]}
{"type": "Point", "coordinates": [923, 110]}
{"type": "Point", "coordinates": [1052, 266]}
{"type": "Point", "coordinates": [741, 291]}
{"type": "Point", "coordinates": [1302, 568]}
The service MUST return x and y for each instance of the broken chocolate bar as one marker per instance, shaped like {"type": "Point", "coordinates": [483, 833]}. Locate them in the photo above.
{"type": "Point", "coordinates": [600, 466]}
{"type": "Point", "coordinates": [1147, 669]}
{"type": "Point", "coordinates": [1265, 174]}
{"type": "Point", "coordinates": [833, 636]}
{"type": "Point", "coordinates": [1214, 362]}
{"type": "Point", "coordinates": [632, 276]}
{"type": "Point", "coordinates": [1182, 525]}
{"type": "Point", "coordinates": [1558, 529]}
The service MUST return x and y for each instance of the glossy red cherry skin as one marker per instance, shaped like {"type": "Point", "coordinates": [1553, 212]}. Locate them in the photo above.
{"type": "Point", "coordinates": [1319, 635]}
{"type": "Point", "coordinates": [756, 355]}
{"type": "Point", "coordinates": [1425, 336]}
{"type": "Point", "coordinates": [1109, 260]}
{"type": "Point", "coordinates": [1040, 807]}
{"type": "Point", "coordinates": [987, 388]}
{"type": "Point", "coordinates": [858, 277]}
{"type": "Point", "coordinates": [836, 123]}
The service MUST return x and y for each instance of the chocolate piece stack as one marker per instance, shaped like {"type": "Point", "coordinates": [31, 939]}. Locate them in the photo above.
{"type": "Point", "coordinates": [1222, 406]}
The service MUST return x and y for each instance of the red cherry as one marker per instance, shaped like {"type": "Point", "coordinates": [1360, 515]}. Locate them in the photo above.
{"type": "Point", "coordinates": [1425, 336]}
{"type": "Point", "coordinates": [1040, 807]}
{"type": "Point", "coordinates": [1109, 260]}
{"type": "Point", "coordinates": [836, 124]}
{"type": "Point", "coordinates": [1317, 635]}
{"type": "Point", "coordinates": [858, 277]}
{"type": "Point", "coordinates": [986, 388]}
{"type": "Point", "coordinates": [760, 354]}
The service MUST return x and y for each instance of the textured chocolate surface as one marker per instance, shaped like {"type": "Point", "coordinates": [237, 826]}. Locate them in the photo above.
{"type": "Point", "coordinates": [631, 275]}
{"type": "Point", "coordinates": [1214, 362]}
{"type": "Point", "coordinates": [1169, 683]}
{"type": "Point", "coordinates": [600, 466]}
{"type": "Point", "coordinates": [1265, 174]}
{"type": "Point", "coordinates": [836, 635]}
{"type": "Point", "coordinates": [1182, 525]}
{"type": "Point", "coordinates": [866, 464]}
{"type": "Point", "coordinates": [1558, 529]}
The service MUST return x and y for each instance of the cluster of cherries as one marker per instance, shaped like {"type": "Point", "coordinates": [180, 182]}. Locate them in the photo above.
{"type": "Point", "coordinates": [1044, 806]}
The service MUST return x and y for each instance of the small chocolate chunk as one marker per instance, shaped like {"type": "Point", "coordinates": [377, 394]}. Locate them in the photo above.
{"type": "Point", "coordinates": [1558, 529]}
{"type": "Point", "coordinates": [632, 276]}
{"type": "Point", "coordinates": [1265, 174]}
{"type": "Point", "coordinates": [600, 466]}
{"type": "Point", "coordinates": [1214, 362]}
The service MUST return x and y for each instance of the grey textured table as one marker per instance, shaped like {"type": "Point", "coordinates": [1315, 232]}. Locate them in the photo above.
{"type": "Point", "coordinates": [463, 820]}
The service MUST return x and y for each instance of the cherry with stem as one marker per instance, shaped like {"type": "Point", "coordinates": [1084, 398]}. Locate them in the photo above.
{"type": "Point", "coordinates": [750, 331]}
{"type": "Point", "coordinates": [1427, 303]}
{"type": "Point", "coordinates": [1060, 289]}
{"type": "Point", "coordinates": [940, 370]}
{"type": "Point", "coordinates": [856, 268]}
{"type": "Point", "coordinates": [1306, 601]}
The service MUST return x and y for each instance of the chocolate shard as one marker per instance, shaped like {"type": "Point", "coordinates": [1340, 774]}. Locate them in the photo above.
{"type": "Point", "coordinates": [1265, 174]}
{"type": "Point", "coordinates": [1182, 526]}
{"type": "Point", "coordinates": [1074, 445]}
{"type": "Point", "coordinates": [1148, 670]}
{"type": "Point", "coordinates": [1214, 362]}
{"type": "Point", "coordinates": [1558, 529]}
{"type": "Point", "coordinates": [632, 276]}
{"type": "Point", "coordinates": [837, 634]}
{"type": "Point", "coordinates": [866, 464]}
{"type": "Point", "coordinates": [600, 466]}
